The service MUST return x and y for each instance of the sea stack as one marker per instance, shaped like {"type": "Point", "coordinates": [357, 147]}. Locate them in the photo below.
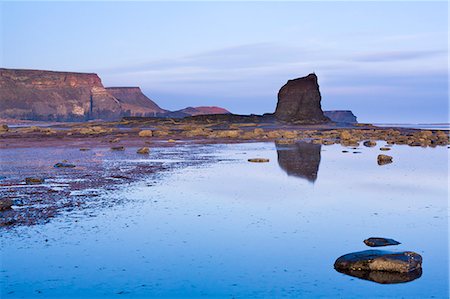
{"type": "Point", "coordinates": [55, 96]}
{"type": "Point", "coordinates": [299, 101]}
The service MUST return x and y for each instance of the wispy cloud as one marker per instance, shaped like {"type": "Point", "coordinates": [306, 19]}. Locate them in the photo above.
{"type": "Point", "coordinates": [391, 56]}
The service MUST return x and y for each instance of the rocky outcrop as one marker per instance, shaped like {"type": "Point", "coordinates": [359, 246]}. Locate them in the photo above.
{"type": "Point", "coordinates": [195, 111]}
{"type": "Point", "coordinates": [341, 116]}
{"type": "Point", "coordinates": [55, 96]}
{"type": "Point", "coordinates": [134, 103]}
{"type": "Point", "coordinates": [299, 101]}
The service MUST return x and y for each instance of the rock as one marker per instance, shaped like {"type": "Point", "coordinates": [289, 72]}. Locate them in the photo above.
{"type": "Point", "coordinates": [145, 133]}
{"type": "Point", "coordinates": [34, 181]}
{"type": "Point", "coordinates": [384, 159]}
{"type": "Point", "coordinates": [384, 277]}
{"type": "Point", "coordinates": [258, 160]}
{"type": "Point", "coordinates": [64, 165]}
{"type": "Point", "coordinates": [4, 128]}
{"type": "Point", "coordinates": [171, 140]}
{"type": "Point", "coordinates": [341, 116]}
{"type": "Point", "coordinates": [117, 148]}
{"type": "Point", "coordinates": [143, 151]}
{"type": "Point", "coordinates": [95, 130]}
{"type": "Point", "coordinates": [345, 135]}
{"type": "Point", "coordinates": [134, 103]}
{"type": "Point", "coordinates": [378, 260]}
{"type": "Point", "coordinates": [55, 96]}
{"type": "Point", "coordinates": [5, 204]}
{"type": "Point", "coordinates": [379, 242]}
{"type": "Point", "coordinates": [299, 101]}
{"type": "Point", "coordinates": [385, 149]}
{"type": "Point", "coordinates": [83, 149]}
{"type": "Point", "coordinates": [195, 111]}
{"type": "Point", "coordinates": [369, 143]}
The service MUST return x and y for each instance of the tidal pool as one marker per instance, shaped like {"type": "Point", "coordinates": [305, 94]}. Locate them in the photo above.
{"type": "Point", "coordinates": [234, 229]}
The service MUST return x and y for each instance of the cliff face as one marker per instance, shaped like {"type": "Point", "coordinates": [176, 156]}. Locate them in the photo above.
{"type": "Point", "coordinates": [341, 116]}
{"type": "Point", "coordinates": [134, 102]}
{"type": "Point", "coordinates": [60, 96]}
{"type": "Point", "coordinates": [299, 101]}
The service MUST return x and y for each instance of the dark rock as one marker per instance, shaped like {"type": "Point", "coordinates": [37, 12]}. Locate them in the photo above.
{"type": "Point", "coordinates": [143, 151]}
{"type": "Point", "coordinates": [384, 277]}
{"type": "Point", "coordinates": [384, 159]}
{"type": "Point", "coordinates": [369, 143]}
{"type": "Point", "coordinates": [299, 101]}
{"type": "Point", "coordinates": [300, 159]}
{"type": "Point", "coordinates": [378, 242]}
{"type": "Point", "coordinates": [341, 116]}
{"type": "Point", "coordinates": [117, 148]}
{"type": "Point", "coordinates": [378, 260]}
{"type": "Point", "coordinates": [5, 204]}
{"type": "Point", "coordinates": [55, 96]}
{"type": "Point", "coordinates": [64, 165]}
{"type": "Point", "coordinates": [34, 181]}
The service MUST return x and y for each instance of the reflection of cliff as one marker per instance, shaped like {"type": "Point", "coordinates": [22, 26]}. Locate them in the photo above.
{"type": "Point", "coordinates": [301, 159]}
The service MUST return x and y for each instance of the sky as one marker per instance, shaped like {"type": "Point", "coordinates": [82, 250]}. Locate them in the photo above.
{"type": "Point", "coordinates": [385, 61]}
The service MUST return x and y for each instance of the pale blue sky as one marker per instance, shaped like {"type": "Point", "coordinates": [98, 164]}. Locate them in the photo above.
{"type": "Point", "coordinates": [386, 61]}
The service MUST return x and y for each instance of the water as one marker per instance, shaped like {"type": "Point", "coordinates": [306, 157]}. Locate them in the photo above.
{"type": "Point", "coordinates": [442, 126]}
{"type": "Point", "coordinates": [235, 229]}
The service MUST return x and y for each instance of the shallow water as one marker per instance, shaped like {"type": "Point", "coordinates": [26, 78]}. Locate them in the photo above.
{"type": "Point", "coordinates": [244, 230]}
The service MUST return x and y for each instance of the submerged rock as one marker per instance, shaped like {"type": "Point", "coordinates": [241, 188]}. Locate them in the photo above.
{"type": "Point", "coordinates": [34, 181]}
{"type": "Point", "coordinates": [379, 260]}
{"type": "Point", "coordinates": [117, 148]}
{"type": "Point", "coordinates": [378, 242]}
{"type": "Point", "coordinates": [64, 165]}
{"type": "Point", "coordinates": [384, 159]}
{"type": "Point", "coordinates": [369, 143]}
{"type": "Point", "coordinates": [258, 160]}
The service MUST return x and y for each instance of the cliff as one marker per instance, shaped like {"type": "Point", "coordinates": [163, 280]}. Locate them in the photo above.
{"type": "Point", "coordinates": [55, 96]}
{"type": "Point", "coordinates": [299, 101]}
{"type": "Point", "coordinates": [134, 102]}
{"type": "Point", "coordinates": [341, 116]}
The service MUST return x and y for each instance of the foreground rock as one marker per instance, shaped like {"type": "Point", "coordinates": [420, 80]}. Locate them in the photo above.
{"type": "Point", "coordinates": [378, 260]}
{"type": "Point", "coordinates": [379, 242]}
{"type": "Point", "coordinates": [299, 101]}
{"type": "Point", "coordinates": [384, 159]}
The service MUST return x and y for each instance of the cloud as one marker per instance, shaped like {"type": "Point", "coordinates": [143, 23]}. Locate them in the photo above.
{"type": "Point", "coordinates": [391, 56]}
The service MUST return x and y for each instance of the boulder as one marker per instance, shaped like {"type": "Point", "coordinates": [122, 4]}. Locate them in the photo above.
{"type": "Point", "coordinates": [145, 133]}
{"type": "Point", "coordinates": [379, 260]}
{"type": "Point", "coordinates": [143, 151]}
{"type": "Point", "coordinates": [5, 204]}
{"type": "Point", "coordinates": [369, 143]}
{"type": "Point", "coordinates": [64, 165]}
{"type": "Point", "coordinates": [34, 181]}
{"type": "Point", "coordinates": [384, 159]}
{"type": "Point", "coordinates": [258, 160]}
{"type": "Point", "coordinates": [379, 242]}
{"type": "Point", "coordinates": [299, 101]}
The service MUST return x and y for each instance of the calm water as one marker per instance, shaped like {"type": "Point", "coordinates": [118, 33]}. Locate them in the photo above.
{"type": "Point", "coordinates": [235, 229]}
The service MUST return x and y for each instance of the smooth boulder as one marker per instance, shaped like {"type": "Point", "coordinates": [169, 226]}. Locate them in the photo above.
{"type": "Point", "coordinates": [379, 242]}
{"type": "Point", "coordinates": [379, 260]}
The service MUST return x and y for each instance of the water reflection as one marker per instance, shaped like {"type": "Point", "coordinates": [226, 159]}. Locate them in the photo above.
{"type": "Point", "coordinates": [300, 159]}
{"type": "Point", "coordinates": [384, 277]}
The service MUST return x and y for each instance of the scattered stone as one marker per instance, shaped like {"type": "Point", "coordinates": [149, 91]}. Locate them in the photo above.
{"type": "Point", "coordinates": [258, 160]}
{"type": "Point", "coordinates": [345, 151]}
{"type": "Point", "coordinates": [4, 128]}
{"type": "Point", "coordinates": [145, 133]}
{"type": "Point", "coordinates": [5, 204]}
{"type": "Point", "coordinates": [379, 242]}
{"type": "Point", "coordinates": [369, 143]}
{"type": "Point", "coordinates": [84, 149]}
{"type": "Point", "coordinates": [379, 260]}
{"type": "Point", "coordinates": [64, 165]}
{"type": "Point", "coordinates": [384, 159]}
{"type": "Point", "coordinates": [171, 140]}
{"type": "Point", "coordinates": [143, 151]}
{"type": "Point", "coordinates": [117, 148]}
{"type": "Point", "coordinates": [115, 140]}
{"type": "Point", "coordinates": [34, 181]}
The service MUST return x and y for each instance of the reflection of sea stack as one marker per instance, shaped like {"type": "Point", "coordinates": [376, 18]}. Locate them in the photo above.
{"type": "Point", "coordinates": [299, 101]}
{"type": "Point", "coordinates": [301, 159]}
